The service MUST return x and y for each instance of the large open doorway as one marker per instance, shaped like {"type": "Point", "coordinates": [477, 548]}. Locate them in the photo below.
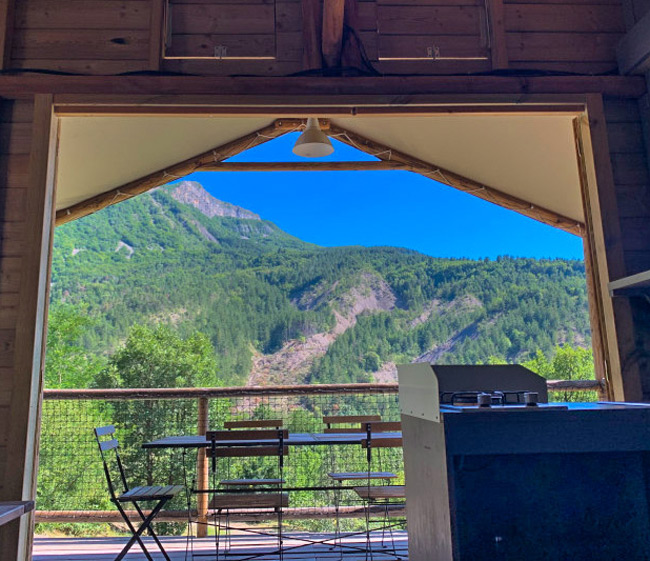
{"type": "Point", "coordinates": [557, 193]}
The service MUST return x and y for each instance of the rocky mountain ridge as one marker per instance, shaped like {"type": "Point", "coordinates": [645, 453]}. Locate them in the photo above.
{"type": "Point", "coordinates": [193, 194]}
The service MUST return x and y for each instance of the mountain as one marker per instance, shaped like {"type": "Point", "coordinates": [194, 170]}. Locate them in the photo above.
{"type": "Point", "coordinates": [280, 310]}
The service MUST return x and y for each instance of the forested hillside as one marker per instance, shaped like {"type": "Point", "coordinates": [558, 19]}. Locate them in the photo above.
{"type": "Point", "coordinates": [279, 310]}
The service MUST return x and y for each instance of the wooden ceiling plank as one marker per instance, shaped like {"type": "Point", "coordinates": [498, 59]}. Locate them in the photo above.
{"type": "Point", "coordinates": [457, 181]}
{"type": "Point", "coordinates": [176, 171]}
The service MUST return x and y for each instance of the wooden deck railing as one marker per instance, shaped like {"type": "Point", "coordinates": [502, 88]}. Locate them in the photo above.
{"type": "Point", "coordinates": [257, 391]}
{"type": "Point", "coordinates": [203, 397]}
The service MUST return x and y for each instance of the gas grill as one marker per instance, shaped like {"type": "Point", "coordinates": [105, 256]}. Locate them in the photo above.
{"type": "Point", "coordinates": [495, 472]}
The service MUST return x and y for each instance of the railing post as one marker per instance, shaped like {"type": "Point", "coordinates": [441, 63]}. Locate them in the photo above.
{"type": "Point", "coordinates": [202, 478]}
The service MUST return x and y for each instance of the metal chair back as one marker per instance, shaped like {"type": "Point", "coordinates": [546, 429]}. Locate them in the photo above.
{"type": "Point", "coordinates": [107, 442]}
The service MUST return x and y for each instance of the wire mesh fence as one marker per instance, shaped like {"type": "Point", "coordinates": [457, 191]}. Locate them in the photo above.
{"type": "Point", "coordinates": [72, 486]}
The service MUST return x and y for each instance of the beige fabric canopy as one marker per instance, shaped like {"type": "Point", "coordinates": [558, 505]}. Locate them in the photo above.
{"type": "Point", "coordinates": [529, 157]}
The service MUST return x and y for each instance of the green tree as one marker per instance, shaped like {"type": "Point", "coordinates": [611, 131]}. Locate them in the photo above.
{"type": "Point", "coordinates": [567, 363]}
{"type": "Point", "coordinates": [67, 363]}
{"type": "Point", "coordinates": [158, 358]}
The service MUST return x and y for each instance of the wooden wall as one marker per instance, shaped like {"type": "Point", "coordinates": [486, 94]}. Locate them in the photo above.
{"type": "Point", "coordinates": [15, 139]}
{"type": "Point", "coordinates": [571, 36]}
{"type": "Point", "coordinates": [25, 234]}
{"type": "Point", "coordinates": [265, 37]}
{"type": "Point", "coordinates": [631, 173]}
{"type": "Point", "coordinates": [82, 36]}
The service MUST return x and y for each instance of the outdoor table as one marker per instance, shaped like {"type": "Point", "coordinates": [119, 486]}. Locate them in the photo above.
{"type": "Point", "coordinates": [295, 439]}
{"type": "Point", "coordinates": [197, 442]}
{"type": "Point", "coordinates": [14, 509]}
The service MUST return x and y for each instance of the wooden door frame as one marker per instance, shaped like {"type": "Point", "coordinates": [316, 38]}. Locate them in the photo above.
{"type": "Point", "coordinates": [594, 164]}
{"type": "Point", "coordinates": [31, 326]}
{"type": "Point", "coordinates": [579, 106]}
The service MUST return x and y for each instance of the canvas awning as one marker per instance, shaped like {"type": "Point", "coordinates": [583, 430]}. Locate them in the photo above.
{"type": "Point", "coordinates": [531, 157]}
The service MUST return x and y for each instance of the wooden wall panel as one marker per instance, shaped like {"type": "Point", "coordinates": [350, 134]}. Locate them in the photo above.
{"type": "Point", "coordinates": [15, 142]}
{"type": "Point", "coordinates": [82, 14]}
{"type": "Point", "coordinates": [82, 36]}
{"type": "Point", "coordinates": [12, 217]}
{"type": "Point", "coordinates": [574, 18]}
{"type": "Point", "coordinates": [631, 173]}
{"type": "Point", "coordinates": [576, 36]}
{"type": "Point", "coordinates": [632, 176]}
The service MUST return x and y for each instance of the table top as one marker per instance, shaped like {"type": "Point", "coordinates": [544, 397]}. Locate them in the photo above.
{"type": "Point", "coordinates": [14, 509]}
{"type": "Point", "coordinates": [295, 439]}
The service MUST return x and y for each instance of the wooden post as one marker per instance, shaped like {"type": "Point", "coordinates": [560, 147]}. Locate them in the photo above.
{"type": "Point", "coordinates": [596, 320]}
{"type": "Point", "coordinates": [312, 26]}
{"type": "Point", "coordinates": [603, 239]}
{"type": "Point", "coordinates": [19, 481]}
{"type": "Point", "coordinates": [202, 479]}
{"type": "Point", "coordinates": [332, 33]}
{"type": "Point", "coordinates": [496, 26]}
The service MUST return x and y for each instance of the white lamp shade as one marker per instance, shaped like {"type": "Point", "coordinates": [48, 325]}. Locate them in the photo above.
{"type": "Point", "coordinates": [313, 142]}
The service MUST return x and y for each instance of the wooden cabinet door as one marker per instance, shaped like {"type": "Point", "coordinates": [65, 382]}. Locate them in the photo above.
{"type": "Point", "coordinates": [216, 29]}
{"type": "Point", "coordinates": [434, 30]}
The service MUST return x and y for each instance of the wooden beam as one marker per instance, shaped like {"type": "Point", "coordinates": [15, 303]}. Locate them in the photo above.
{"type": "Point", "coordinates": [29, 353]}
{"type": "Point", "coordinates": [458, 181]}
{"type": "Point", "coordinates": [312, 25]}
{"type": "Point", "coordinates": [312, 90]}
{"type": "Point", "coordinates": [176, 171]}
{"type": "Point", "coordinates": [530, 109]}
{"type": "Point", "coordinates": [332, 40]}
{"type": "Point", "coordinates": [497, 31]}
{"type": "Point", "coordinates": [157, 33]}
{"type": "Point", "coordinates": [7, 10]}
{"type": "Point", "coordinates": [353, 49]}
{"type": "Point", "coordinates": [303, 166]}
{"type": "Point", "coordinates": [602, 232]}
{"type": "Point", "coordinates": [596, 314]}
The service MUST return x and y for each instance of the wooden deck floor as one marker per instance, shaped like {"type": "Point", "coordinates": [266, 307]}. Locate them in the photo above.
{"type": "Point", "coordinates": [105, 549]}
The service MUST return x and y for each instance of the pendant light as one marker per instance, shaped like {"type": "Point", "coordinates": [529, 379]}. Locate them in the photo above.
{"type": "Point", "coordinates": [313, 142]}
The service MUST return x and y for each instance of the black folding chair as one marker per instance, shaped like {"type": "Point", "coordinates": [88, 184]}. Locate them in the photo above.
{"type": "Point", "coordinates": [380, 495]}
{"type": "Point", "coordinates": [133, 495]}
{"type": "Point", "coordinates": [241, 494]}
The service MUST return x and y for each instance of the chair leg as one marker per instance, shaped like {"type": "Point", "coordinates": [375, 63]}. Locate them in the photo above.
{"type": "Point", "coordinates": [134, 532]}
{"type": "Point", "coordinates": [337, 509]}
{"type": "Point", "coordinates": [217, 530]}
{"type": "Point", "coordinates": [136, 535]}
{"type": "Point", "coordinates": [151, 532]}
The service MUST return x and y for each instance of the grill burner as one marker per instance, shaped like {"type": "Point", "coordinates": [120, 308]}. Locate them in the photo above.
{"type": "Point", "coordinates": [496, 398]}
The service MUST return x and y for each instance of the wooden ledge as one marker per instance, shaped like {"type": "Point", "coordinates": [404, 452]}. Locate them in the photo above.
{"type": "Point", "coordinates": [281, 91]}
{"type": "Point", "coordinates": [12, 510]}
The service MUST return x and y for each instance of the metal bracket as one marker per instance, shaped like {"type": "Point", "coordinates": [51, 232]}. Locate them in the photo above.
{"type": "Point", "coordinates": [220, 52]}
{"type": "Point", "coordinates": [433, 52]}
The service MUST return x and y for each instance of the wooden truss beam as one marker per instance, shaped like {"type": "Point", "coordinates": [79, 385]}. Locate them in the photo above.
{"type": "Point", "coordinates": [178, 170]}
{"type": "Point", "coordinates": [453, 179]}
{"type": "Point", "coordinates": [303, 166]}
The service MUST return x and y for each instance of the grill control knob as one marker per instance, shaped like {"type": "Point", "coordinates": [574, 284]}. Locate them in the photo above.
{"type": "Point", "coordinates": [531, 399]}
{"type": "Point", "coordinates": [484, 400]}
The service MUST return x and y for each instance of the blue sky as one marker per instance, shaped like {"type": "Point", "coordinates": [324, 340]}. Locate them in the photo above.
{"type": "Point", "coordinates": [395, 208]}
